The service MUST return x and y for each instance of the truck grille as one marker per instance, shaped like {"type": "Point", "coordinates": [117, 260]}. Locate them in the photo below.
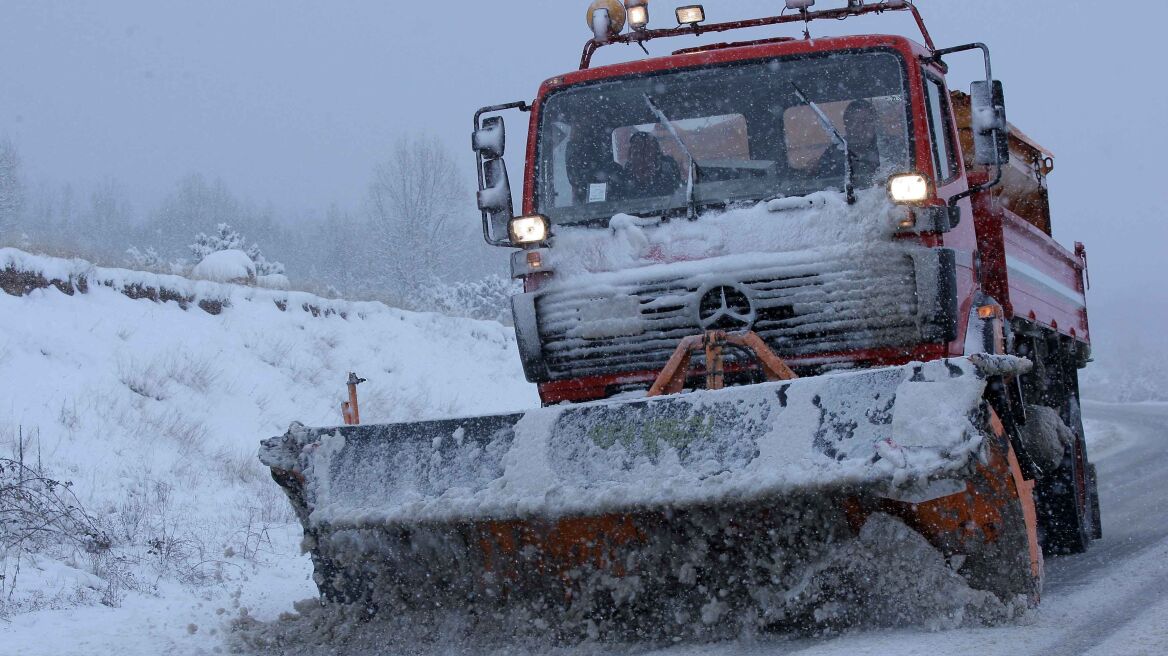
{"type": "Point", "coordinates": [798, 308]}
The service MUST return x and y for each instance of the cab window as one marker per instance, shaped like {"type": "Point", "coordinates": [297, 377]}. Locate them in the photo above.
{"type": "Point", "coordinates": [941, 130]}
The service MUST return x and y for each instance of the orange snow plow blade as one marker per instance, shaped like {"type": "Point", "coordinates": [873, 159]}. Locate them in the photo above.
{"type": "Point", "coordinates": [676, 513]}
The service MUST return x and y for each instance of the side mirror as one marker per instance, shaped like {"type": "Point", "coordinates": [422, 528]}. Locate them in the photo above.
{"type": "Point", "coordinates": [991, 132]}
{"type": "Point", "coordinates": [490, 141]}
{"type": "Point", "coordinates": [495, 199]}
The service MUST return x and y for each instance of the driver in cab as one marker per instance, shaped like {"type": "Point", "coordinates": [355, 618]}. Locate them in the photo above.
{"type": "Point", "coordinates": [860, 127]}
{"type": "Point", "coordinates": [595, 177]}
{"type": "Point", "coordinates": [648, 171]}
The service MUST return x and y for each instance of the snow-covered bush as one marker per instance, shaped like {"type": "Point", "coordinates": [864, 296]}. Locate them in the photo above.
{"type": "Point", "coordinates": [227, 238]}
{"type": "Point", "coordinates": [38, 508]}
{"type": "Point", "coordinates": [488, 298]}
{"type": "Point", "coordinates": [146, 260]}
{"type": "Point", "coordinates": [226, 266]}
{"type": "Point", "coordinates": [40, 515]}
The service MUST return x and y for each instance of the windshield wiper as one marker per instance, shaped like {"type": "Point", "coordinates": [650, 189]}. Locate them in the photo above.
{"type": "Point", "coordinates": [829, 127]}
{"type": "Point", "coordinates": [691, 181]}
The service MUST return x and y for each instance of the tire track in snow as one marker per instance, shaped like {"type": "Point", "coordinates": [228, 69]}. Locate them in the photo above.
{"type": "Point", "coordinates": [1110, 620]}
{"type": "Point", "coordinates": [1135, 522]}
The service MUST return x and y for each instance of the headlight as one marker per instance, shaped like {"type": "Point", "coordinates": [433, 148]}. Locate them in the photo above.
{"type": "Point", "coordinates": [528, 229]}
{"type": "Point", "coordinates": [908, 188]}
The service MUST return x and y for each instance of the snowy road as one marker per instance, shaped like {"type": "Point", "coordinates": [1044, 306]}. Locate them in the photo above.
{"type": "Point", "coordinates": [1112, 600]}
{"type": "Point", "coordinates": [1136, 531]}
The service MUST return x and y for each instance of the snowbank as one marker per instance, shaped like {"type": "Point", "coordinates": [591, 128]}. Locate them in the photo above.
{"type": "Point", "coordinates": [116, 381]}
{"type": "Point", "coordinates": [22, 273]}
{"type": "Point", "coordinates": [274, 281]}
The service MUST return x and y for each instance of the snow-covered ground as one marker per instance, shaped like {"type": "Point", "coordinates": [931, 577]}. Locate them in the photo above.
{"type": "Point", "coordinates": [154, 413]}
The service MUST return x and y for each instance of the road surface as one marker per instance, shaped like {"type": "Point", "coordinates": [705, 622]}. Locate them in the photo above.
{"type": "Point", "coordinates": [1112, 600]}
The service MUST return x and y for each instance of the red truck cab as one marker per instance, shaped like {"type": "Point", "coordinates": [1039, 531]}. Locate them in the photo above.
{"type": "Point", "coordinates": [753, 121]}
{"type": "Point", "coordinates": [833, 195]}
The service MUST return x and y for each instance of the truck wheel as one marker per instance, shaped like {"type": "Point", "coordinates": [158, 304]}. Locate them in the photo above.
{"type": "Point", "coordinates": [1065, 505]}
{"type": "Point", "coordinates": [1067, 502]}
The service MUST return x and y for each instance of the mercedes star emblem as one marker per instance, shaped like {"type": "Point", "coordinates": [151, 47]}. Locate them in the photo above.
{"type": "Point", "coordinates": [726, 307]}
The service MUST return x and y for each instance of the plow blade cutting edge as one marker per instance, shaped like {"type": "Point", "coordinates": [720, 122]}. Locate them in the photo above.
{"type": "Point", "coordinates": [671, 510]}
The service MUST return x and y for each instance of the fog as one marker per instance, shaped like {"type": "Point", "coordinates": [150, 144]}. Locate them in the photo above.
{"type": "Point", "coordinates": [293, 103]}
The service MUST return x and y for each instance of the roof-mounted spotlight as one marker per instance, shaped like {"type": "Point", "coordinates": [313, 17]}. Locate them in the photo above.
{"type": "Point", "coordinates": [801, 5]}
{"type": "Point", "coordinates": [691, 15]}
{"type": "Point", "coordinates": [637, 12]}
{"type": "Point", "coordinates": [606, 18]}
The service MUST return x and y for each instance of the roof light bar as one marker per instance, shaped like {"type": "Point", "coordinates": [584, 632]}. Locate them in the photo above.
{"type": "Point", "coordinates": [690, 16]}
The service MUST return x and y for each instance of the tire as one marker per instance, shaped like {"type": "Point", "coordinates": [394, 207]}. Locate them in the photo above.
{"type": "Point", "coordinates": [1065, 505]}
{"type": "Point", "coordinates": [1066, 498]}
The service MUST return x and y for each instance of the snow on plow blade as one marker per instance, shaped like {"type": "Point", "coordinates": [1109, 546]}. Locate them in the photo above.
{"type": "Point", "coordinates": [682, 507]}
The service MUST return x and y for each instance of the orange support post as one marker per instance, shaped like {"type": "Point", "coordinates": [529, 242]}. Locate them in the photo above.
{"type": "Point", "coordinates": [350, 411]}
{"type": "Point", "coordinates": [671, 380]}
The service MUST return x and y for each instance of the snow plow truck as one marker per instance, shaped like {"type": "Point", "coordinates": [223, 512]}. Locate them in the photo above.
{"type": "Point", "coordinates": [776, 292]}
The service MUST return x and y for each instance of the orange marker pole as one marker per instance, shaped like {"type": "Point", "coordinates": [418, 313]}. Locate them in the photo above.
{"type": "Point", "coordinates": [350, 411]}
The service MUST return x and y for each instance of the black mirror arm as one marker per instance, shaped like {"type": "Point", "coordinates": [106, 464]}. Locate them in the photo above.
{"type": "Point", "coordinates": [956, 198]}
{"type": "Point", "coordinates": [985, 51]}
{"type": "Point", "coordinates": [520, 105]}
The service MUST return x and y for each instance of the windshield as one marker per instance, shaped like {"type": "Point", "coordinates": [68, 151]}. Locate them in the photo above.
{"type": "Point", "coordinates": [603, 150]}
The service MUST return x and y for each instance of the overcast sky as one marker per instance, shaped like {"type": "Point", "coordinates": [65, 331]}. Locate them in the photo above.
{"type": "Point", "coordinates": [292, 102]}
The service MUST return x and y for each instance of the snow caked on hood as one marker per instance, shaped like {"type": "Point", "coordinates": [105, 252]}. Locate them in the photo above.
{"type": "Point", "coordinates": [822, 221]}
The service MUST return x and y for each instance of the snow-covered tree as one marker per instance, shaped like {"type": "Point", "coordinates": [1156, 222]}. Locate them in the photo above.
{"type": "Point", "coordinates": [108, 221]}
{"type": "Point", "coordinates": [11, 190]}
{"type": "Point", "coordinates": [225, 238]}
{"type": "Point", "coordinates": [264, 267]}
{"type": "Point", "coordinates": [194, 206]}
{"type": "Point", "coordinates": [415, 210]}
